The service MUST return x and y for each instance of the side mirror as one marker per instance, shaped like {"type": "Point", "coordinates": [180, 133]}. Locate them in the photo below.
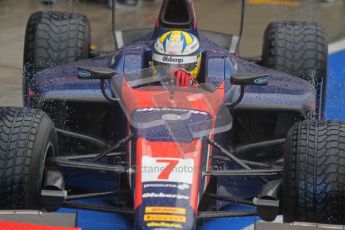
{"type": "Point", "coordinates": [100, 73]}
{"type": "Point", "coordinates": [249, 79]}
{"type": "Point", "coordinates": [87, 73]}
{"type": "Point", "coordinates": [244, 79]}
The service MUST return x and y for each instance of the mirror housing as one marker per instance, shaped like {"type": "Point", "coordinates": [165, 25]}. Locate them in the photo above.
{"type": "Point", "coordinates": [258, 79]}
{"type": "Point", "coordinates": [101, 73]}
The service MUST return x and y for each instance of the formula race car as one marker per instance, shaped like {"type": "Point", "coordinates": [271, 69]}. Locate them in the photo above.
{"type": "Point", "coordinates": [170, 146]}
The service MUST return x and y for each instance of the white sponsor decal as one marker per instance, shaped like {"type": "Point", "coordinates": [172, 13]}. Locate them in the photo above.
{"type": "Point", "coordinates": [170, 59]}
{"type": "Point", "coordinates": [167, 169]}
{"type": "Point", "coordinates": [178, 186]}
{"type": "Point", "coordinates": [164, 195]}
{"type": "Point", "coordinates": [174, 59]}
{"type": "Point", "coordinates": [183, 186]}
{"type": "Point", "coordinates": [171, 117]}
{"type": "Point", "coordinates": [170, 110]}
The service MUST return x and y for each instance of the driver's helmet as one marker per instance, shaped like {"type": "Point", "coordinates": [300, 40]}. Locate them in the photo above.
{"type": "Point", "coordinates": [178, 50]}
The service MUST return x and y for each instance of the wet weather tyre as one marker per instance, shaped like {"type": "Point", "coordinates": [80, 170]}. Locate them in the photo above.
{"type": "Point", "coordinates": [55, 38]}
{"type": "Point", "coordinates": [297, 48]}
{"type": "Point", "coordinates": [51, 39]}
{"type": "Point", "coordinates": [27, 138]}
{"type": "Point", "coordinates": [314, 173]}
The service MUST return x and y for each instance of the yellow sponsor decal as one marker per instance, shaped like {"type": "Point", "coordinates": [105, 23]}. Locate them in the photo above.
{"type": "Point", "coordinates": [291, 3]}
{"type": "Point", "coordinates": [169, 210]}
{"type": "Point", "coordinates": [163, 225]}
{"type": "Point", "coordinates": [168, 218]}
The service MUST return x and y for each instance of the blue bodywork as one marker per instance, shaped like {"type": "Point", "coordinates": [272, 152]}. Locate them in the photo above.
{"type": "Point", "coordinates": [283, 91]}
{"type": "Point", "coordinates": [285, 100]}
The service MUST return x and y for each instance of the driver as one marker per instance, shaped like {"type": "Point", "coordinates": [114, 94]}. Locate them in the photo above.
{"type": "Point", "coordinates": [180, 52]}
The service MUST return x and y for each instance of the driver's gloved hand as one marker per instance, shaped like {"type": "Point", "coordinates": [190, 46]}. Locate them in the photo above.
{"type": "Point", "coordinates": [182, 78]}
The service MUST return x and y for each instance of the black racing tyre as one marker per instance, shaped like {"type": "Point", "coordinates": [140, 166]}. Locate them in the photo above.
{"type": "Point", "coordinates": [55, 38]}
{"type": "Point", "coordinates": [297, 48]}
{"type": "Point", "coordinates": [314, 173]}
{"type": "Point", "coordinates": [27, 138]}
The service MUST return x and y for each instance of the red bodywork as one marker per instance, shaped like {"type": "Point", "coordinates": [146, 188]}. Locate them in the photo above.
{"type": "Point", "coordinates": [169, 156]}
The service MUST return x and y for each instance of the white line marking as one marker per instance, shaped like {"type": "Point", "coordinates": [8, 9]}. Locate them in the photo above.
{"type": "Point", "coordinates": [336, 46]}
{"type": "Point", "coordinates": [279, 219]}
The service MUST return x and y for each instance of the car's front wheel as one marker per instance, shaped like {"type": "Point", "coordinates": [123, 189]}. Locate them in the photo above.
{"type": "Point", "coordinates": [27, 139]}
{"type": "Point", "coordinates": [314, 173]}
